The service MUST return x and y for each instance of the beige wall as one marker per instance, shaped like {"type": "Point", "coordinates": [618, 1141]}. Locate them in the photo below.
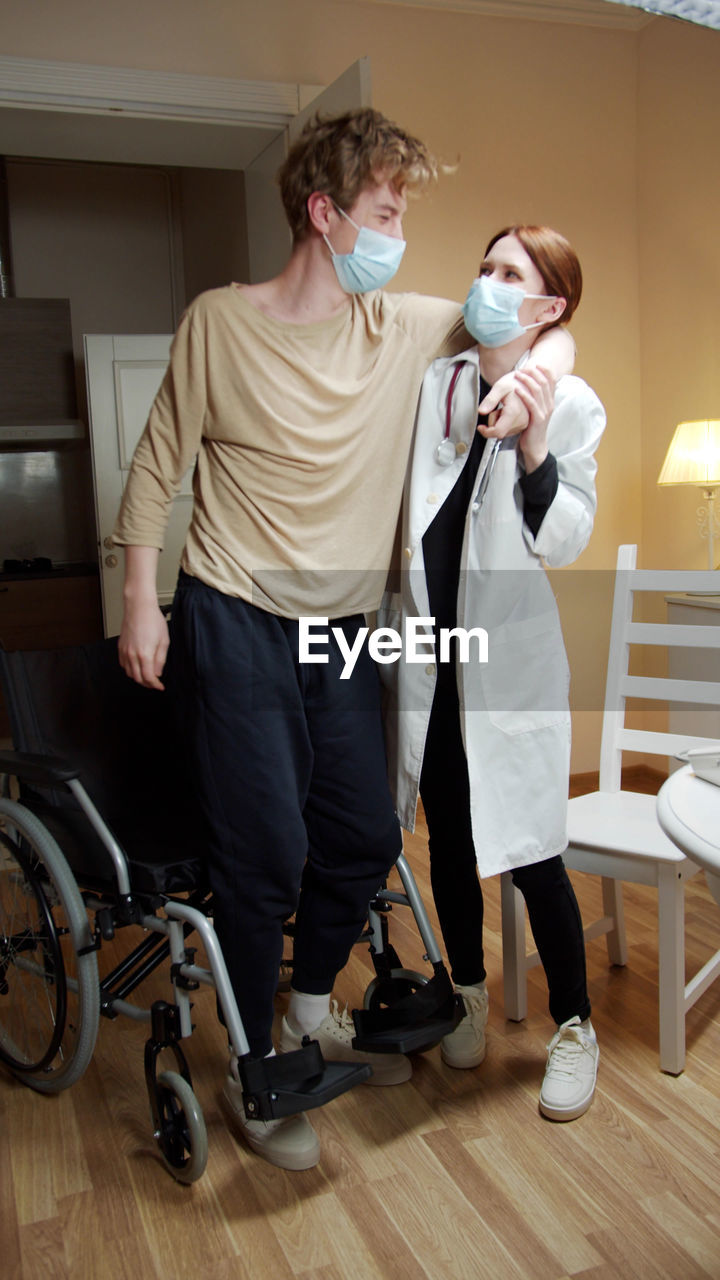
{"type": "Point", "coordinates": [679, 255]}
{"type": "Point", "coordinates": [608, 135]}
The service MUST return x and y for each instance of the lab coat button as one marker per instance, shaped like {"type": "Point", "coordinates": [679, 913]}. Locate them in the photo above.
{"type": "Point", "coordinates": [408, 553]}
{"type": "Point", "coordinates": [432, 499]}
{"type": "Point", "coordinates": [475, 507]}
{"type": "Point", "coordinates": [461, 447]}
{"type": "Point", "coordinates": [430, 669]}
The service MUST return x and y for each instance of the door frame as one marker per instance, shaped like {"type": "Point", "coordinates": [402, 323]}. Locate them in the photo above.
{"type": "Point", "coordinates": [44, 85]}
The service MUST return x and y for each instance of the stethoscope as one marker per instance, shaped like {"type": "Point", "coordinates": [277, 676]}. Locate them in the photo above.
{"type": "Point", "coordinates": [446, 452]}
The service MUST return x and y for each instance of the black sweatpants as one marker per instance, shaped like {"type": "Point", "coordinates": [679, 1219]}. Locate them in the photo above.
{"type": "Point", "coordinates": [290, 764]}
{"type": "Point", "coordinates": [551, 903]}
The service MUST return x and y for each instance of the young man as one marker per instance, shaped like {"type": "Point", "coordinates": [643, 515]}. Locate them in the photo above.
{"type": "Point", "coordinates": [297, 399]}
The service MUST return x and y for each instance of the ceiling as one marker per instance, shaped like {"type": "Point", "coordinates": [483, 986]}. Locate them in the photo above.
{"type": "Point", "coordinates": [630, 15]}
{"type": "Point", "coordinates": [591, 13]}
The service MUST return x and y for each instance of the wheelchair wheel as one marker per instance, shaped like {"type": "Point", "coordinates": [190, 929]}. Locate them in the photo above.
{"type": "Point", "coordinates": [182, 1136]}
{"type": "Point", "coordinates": [49, 995]}
{"type": "Point", "coordinates": [383, 993]}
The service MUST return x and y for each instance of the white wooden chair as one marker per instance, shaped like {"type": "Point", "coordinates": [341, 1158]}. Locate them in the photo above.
{"type": "Point", "coordinates": [614, 833]}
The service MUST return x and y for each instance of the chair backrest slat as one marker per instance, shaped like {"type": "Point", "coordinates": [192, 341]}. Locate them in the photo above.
{"type": "Point", "coordinates": [675, 635]}
{"type": "Point", "coordinates": [620, 685]}
{"type": "Point", "coordinates": [697, 581]}
{"type": "Point", "coordinates": [658, 743]}
{"type": "Point", "coordinates": [660, 689]}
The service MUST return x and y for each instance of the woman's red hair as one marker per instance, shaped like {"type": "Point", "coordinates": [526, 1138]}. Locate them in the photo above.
{"type": "Point", "coordinates": [554, 258]}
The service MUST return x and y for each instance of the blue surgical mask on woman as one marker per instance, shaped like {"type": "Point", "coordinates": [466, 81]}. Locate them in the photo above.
{"type": "Point", "coordinates": [491, 312]}
{"type": "Point", "coordinates": [373, 261]}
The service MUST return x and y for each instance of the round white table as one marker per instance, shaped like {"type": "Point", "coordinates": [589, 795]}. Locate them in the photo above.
{"type": "Point", "coordinates": [688, 810]}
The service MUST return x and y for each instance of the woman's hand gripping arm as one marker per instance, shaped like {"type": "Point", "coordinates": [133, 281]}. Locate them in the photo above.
{"type": "Point", "coordinates": [554, 351]}
{"type": "Point", "coordinates": [535, 388]}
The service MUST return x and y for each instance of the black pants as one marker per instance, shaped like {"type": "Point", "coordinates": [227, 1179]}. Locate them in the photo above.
{"type": "Point", "coordinates": [291, 770]}
{"type": "Point", "coordinates": [551, 903]}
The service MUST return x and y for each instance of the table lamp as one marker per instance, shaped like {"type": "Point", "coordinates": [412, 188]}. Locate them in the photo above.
{"type": "Point", "coordinates": [694, 458]}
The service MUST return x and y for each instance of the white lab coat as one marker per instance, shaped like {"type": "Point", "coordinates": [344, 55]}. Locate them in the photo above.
{"type": "Point", "coordinates": [514, 708]}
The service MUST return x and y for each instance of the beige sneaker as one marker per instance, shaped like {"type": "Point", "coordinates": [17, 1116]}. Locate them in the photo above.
{"type": "Point", "coordinates": [571, 1071]}
{"type": "Point", "coordinates": [335, 1034]}
{"type": "Point", "coordinates": [465, 1046]}
{"type": "Point", "coordinates": [289, 1143]}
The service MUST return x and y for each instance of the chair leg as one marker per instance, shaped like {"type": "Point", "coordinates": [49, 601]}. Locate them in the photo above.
{"type": "Point", "coordinates": [613, 908]}
{"type": "Point", "coordinates": [513, 947]}
{"type": "Point", "coordinates": [671, 977]}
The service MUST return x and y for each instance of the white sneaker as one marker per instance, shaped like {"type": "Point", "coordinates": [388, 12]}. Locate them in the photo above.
{"type": "Point", "coordinates": [571, 1071]}
{"type": "Point", "coordinates": [335, 1035]}
{"type": "Point", "coordinates": [465, 1046]}
{"type": "Point", "coordinates": [288, 1143]}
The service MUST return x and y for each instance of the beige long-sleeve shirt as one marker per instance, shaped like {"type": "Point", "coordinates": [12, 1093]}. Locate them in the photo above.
{"type": "Point", "coordinates": [300, 436]}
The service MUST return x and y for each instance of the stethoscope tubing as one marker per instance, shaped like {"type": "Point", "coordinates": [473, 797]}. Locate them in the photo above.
{"type": "Point", "coordinates": [442, 452]}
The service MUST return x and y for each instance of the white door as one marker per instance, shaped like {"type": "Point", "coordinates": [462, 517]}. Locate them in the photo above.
{"type": "Point", "coordinates": [124, 371]}
{"type": "Point", "coordinates": [123, 374]}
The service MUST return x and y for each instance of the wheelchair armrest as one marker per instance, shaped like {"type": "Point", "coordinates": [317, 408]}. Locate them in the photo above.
{"type": "Point", "coordinates": [42, 770]}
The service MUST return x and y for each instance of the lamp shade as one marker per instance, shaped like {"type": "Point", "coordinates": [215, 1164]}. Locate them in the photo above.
{"type": "Point", "coordinates": [694, 454]}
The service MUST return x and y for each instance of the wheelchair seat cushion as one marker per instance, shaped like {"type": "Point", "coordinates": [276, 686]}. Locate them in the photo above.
{"type": "Point", "coordinates": [148, 849]}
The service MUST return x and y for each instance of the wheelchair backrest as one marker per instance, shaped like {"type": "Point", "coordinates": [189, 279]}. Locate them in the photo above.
{"type": "Point", "coordinates": [78, 703]}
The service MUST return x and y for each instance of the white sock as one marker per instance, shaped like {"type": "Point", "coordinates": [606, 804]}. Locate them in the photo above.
{"type": "Point", "coordinates": [306, 1012]}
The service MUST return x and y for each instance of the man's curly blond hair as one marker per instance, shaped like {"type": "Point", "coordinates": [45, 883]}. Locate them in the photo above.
{"type": "Point", "coordinates": [341, 155]}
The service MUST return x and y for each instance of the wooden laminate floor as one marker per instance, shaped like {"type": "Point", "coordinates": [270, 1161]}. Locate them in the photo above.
{"type": "Point", "coordinates": [453, 1175]}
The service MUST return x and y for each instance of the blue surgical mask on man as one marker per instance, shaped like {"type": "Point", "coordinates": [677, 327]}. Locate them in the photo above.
{"type": "Point", "coordinates": [491, 312]}
{"type": "Point", "coordinates": [373, 261]}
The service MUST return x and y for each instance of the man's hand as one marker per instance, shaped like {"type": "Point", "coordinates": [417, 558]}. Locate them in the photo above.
{"type": "Point", "coordinates": [144, 639]}
{"type": "Point", "coordinates": [143, 643]}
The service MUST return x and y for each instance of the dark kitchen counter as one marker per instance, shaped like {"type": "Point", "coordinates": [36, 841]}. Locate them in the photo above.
{"type": "Point", "coordinates": [73, 569]}
{"type": "Point", "coordinates": [49, 609]}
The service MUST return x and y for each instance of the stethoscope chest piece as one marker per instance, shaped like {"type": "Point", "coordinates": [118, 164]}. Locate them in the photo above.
{"type": "Point", "coordinates": [445, 453]}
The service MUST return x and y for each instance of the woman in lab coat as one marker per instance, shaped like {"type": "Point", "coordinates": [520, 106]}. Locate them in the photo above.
{"type": "Point", "coordinates": [486, 744]}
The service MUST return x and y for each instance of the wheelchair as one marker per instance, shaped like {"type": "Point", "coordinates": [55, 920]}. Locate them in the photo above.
{"type": "Point", "coordinates": [99, 831]}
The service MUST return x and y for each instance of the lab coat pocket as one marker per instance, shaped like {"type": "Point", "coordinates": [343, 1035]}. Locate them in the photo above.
{"type": "Point", "coordinates": [526, 679]}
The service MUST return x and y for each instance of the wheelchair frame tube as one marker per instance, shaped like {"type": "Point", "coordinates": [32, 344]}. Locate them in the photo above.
{"type": "Point", "coordinates": [106, 835]}
{"type": "Point", "coordinates": [218, 975]}
{"type": "Point", "coordinates": [411, 898]}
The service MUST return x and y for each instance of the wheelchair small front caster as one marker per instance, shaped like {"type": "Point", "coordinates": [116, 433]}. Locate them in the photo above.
{"type": "Point", "coordinates": [180, 1134]}
{"type": "Point", "coordinates": [178, 1124]}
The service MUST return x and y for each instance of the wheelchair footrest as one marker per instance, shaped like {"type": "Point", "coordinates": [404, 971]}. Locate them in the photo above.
{"type": "Point", "coordinates": [291, 1082]}
{"type": "Point", "coordinates": [414, 1023]}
